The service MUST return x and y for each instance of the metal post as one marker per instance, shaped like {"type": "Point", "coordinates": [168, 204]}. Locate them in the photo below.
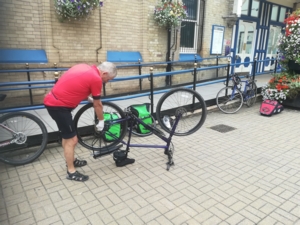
{"type": "Point", "coordinates": [217, 65]}
{"type": "Point", "coordinates": [276, 63]}
{"type": "Point", "coordinates": [140, 73]}
{"type": "Point", "coordinates": [168, 58]}
{"type": "Point", "coordinates": [195, 76]}
{"type": "Point", "coordinates": [151, 89]}
{"type": "Point", "coordinates": [29, 85]}
{"type": "Point", "coordinates": [104, 89]}
{"type": "Point", "coordinates": [228, 71]}
{"type": "Point", "coordinates": [55, 74]}
{"type": "Point", "coordinates": [254, 68]}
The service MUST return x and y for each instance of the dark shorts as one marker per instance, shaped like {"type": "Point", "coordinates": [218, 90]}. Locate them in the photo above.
{"type": "Point", "coordinates": [63, 118]}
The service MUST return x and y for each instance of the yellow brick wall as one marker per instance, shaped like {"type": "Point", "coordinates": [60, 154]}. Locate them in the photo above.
{"type": "Point", "coordinates": [121, 25]}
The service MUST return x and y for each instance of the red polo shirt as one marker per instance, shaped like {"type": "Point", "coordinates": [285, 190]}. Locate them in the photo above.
{"type": "Point", "coordinates": [74, 86]}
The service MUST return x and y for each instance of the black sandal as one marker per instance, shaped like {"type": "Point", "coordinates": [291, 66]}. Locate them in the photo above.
{"type": "Point", "coordinates": [77, 176]}
{"type": "Point", "coordinates": [79, 163]}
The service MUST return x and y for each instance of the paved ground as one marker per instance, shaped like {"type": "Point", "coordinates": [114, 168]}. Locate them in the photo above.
{"type": "Point", "coordinates": [250, 175]}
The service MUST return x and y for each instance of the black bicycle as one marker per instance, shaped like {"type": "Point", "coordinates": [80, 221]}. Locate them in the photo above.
{"type": "Point", "coordinates": [23, 137]}
{"type": "Point", "coordinates": [184, 109]}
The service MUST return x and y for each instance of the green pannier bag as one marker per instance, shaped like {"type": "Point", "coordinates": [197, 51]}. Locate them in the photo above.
{"type": "Point", "coordinates": [142, 111]}
{"type": "Point", "coordinates": [114, 130]}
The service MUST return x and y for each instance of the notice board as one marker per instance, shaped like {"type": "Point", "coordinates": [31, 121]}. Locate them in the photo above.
{"type": "Point", "coordinates": [217, 39]}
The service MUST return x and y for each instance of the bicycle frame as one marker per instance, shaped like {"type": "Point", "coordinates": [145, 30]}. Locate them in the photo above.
{"type": "Point", "coordinates": [5, 143]}
{"type": "Point", "coordinates": [244, 92]}
{"type": "Point", "coordinates": [131, 118]}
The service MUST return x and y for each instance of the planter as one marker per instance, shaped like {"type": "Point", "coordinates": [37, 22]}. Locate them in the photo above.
{"type": "Point", "coordinates": [293, 103]}
{"type": "Point", "coordinates": [294, 66]}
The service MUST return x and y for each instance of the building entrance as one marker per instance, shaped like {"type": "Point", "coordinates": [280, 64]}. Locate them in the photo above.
{"type": "Point", "coordinates": [246, 39]}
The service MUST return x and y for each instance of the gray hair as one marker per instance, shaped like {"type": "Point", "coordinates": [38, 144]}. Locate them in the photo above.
{"type": "Point", "coordinates": [108, 67]}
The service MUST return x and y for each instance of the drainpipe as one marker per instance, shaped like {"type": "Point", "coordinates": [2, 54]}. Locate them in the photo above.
{"type": "Point", "coordinates": [100, 24]}
{"type": "Point", "coordinates": [202, 24]}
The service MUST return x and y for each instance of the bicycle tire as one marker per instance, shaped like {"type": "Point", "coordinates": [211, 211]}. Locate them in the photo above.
{"type": "Point", "coordinates": [84, 121]}
{"type": "Point", "coordinates": [251, 93]}
{"type": "Point", "coordinates": [135, 132]}
{"type": "Point", "coordinates": [225, 102]}
{"type": "Point", "coordinates": [34, 134]}
{"type": "Point", "coordinates": [180, 100]}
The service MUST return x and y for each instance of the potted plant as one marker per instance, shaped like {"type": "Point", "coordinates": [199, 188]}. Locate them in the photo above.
{"type": "Point", "coordinates": [75, 9]}
{"type": "Point", "coordinates": [289, 44]}
{"type": "Point", "coordinates": [169, 14]}
{"type": "Point", "coordinates": [283, 87]}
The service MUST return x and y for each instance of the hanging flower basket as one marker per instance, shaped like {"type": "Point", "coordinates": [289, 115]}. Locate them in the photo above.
{"type": "Point", "coordinates": [169, 14]}
{"type": "Point", "coordinates": [75, 9]}
{"type": "Point", "coordinates": [289, 43]}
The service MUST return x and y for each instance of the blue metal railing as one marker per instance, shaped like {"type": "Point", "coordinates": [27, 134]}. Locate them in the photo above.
{"type": "Point", "coordinates": [119, 79]}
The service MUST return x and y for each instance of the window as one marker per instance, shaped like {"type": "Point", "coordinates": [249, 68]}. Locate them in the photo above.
{"type": "Point", "coordinates": [189, 27]}
{"type": "Point", "coordinates": [282, 14]}
{"type": "Point", "coordinates": [255, 8]}
{"type": "Point", "coordinates": [274, 13]}
{"type": "Point", "coordinates": [245, 7]}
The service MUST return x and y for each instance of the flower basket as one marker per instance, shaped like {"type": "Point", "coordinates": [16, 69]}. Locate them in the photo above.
{"type": "Point", "coordinates": [169, 14]}
{"type": "Point", "coordinates": [75, 9]}
{"type": "Point", "coordinates": [289, 44]}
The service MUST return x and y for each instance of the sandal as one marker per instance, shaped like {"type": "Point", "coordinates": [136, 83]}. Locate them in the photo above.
{"type": "Point", "coordinates": [79, 163]}
{"type": "Point", "coordinates": [77, 176]}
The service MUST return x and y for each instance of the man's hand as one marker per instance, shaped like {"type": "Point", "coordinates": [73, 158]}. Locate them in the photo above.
{"type": "Point", "coordinates": [90, 99]}
{"type": "Point", "coordinates": [100, 125]}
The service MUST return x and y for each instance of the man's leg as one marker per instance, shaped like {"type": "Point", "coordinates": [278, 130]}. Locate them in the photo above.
{"type": "Point", "coordinates": [69, 146]}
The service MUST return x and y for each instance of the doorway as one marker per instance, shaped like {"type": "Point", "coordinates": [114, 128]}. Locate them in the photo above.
{"type": "Point", "coordinates": [246, 39]}
{"type": "Point", "coordinates": [274, 33]}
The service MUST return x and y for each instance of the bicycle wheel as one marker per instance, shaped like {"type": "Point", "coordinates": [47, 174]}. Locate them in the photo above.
{"type": "Point", "coordinates": [30, 135]}
{"type": "Point", "coordinates": [85, 120]}
{"type": "Point", "coordinates": [135, 128]}
{"type": "Point", "coordinates": [229, 99]}
{"type": "Point", "coordinates": [185, 101]}
{"type": "Point", "coordinates": [251, 94]}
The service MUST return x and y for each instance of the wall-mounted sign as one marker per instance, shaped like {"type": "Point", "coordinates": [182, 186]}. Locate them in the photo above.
{"type": "Point", "coordinates": [217, 40]}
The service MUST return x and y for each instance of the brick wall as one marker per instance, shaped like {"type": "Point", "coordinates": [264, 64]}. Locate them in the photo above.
{"type": "Point", "coordinates": [120, 25]}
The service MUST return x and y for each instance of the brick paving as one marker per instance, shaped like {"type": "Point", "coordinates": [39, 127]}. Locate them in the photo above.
{"type": "Point", "coordinates": [250, 175]}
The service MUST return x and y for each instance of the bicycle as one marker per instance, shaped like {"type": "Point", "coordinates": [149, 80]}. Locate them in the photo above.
{"type": "Point", "coordinates": [184, 107]}
{"type": "Point", "coordinates": [23, 137]}
{"type": "Point", "coordinates": [231, 98]}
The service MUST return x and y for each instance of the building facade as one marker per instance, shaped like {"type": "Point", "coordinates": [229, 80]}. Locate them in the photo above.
{"type": "Point", "coordinates": [243, 29]}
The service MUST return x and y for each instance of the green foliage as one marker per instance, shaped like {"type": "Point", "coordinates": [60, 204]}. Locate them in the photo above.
{"type": "Point", "coordinates": [75, 9]}
{"type": "Point", "coordinates": [169, 14]}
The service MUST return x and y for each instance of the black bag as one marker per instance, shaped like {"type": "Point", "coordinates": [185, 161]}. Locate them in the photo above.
{"type": "Point", "coordinates": [270, 107]}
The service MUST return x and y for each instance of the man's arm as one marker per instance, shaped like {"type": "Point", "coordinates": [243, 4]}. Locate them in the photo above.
{"type": "Point", "coordinates": [98, 108]}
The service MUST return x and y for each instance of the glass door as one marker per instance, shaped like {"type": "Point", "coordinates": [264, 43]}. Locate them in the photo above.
{"type": "Point", "coordinates": [245, 45]}
{"type": "Point", "coordinates": [272, 47]}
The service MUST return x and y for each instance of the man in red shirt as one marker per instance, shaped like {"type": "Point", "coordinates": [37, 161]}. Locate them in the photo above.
{"type": "Point", "coordinates": [76, 85]}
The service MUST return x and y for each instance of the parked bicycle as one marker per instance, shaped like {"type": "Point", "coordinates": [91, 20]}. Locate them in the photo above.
{"type": "Point", "coordinates": [231, 98]}
{"type": "Point", "coordinates": [179, 112]}
{"type": "Point", "coordinates": [23, 137]}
